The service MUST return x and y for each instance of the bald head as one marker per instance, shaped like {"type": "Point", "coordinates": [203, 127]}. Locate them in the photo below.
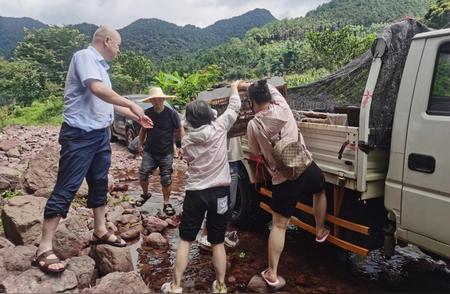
{"type": "Point", "coordinates": [107, 42]}
{"type": "Point", "coordinates": [104, 32]}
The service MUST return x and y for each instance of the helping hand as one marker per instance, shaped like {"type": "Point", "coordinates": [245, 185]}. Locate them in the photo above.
{"type": "Point", "coordinates": [137, 110]}
{"type": "Point", "coordinates": [146, 122]}
{"type": "Point", "coordinates": [236, 83]}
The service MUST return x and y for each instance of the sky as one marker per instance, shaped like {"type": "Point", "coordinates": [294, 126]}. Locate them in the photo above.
{"type": "Point", "coordinates": [120, 13]}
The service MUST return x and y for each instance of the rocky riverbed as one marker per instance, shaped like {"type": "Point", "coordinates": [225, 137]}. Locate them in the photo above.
{"type": "Point", "coordinates": [28, 166]}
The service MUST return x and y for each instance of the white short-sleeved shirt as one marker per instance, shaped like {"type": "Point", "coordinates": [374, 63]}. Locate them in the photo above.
{"type": "Point", "coordinates": [82, 109]}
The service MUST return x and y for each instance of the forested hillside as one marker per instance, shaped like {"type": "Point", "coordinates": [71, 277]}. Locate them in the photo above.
{"type": "Point", "coordinates": [302, 50]}
{"type": "Point", "coordinates": [152, 37]}
{"type": "Point", "coordinates": [12, 31]}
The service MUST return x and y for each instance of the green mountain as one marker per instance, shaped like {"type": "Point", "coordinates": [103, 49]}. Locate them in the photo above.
{"type": "Point", "coordinates": [338, 13]}
{"type": "Point", "coordinates": [367, 12]}
{"type": "Point", "coordinates": [152, 37]}
{"type": "Point", "coordinates": [85, 28]}
{"type": "Point", "coordinates": [12, 30]}
{"type": "Point", "coordinates": [156, 38]}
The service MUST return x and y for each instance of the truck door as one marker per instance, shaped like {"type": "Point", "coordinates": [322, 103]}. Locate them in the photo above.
{"type": "Point", "coordinates": [425, 208]}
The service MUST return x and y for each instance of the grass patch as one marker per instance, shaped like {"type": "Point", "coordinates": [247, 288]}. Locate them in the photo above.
{"type": "Point", "coordinates": [46, 112]}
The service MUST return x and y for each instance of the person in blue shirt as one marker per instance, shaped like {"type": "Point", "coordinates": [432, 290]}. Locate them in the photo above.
{"type": "Point", "coordinates": [89, 104]}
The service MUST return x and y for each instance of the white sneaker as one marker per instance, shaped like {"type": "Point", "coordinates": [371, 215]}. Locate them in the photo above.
{"type": "Point", "coordinates": [167, 288]}
{"type": "Point", "coordinates": [204, 243]}
{"type": "Point", "coordinates": [219, 288]}
{"type": "Point", "coordinates": [231, 239]}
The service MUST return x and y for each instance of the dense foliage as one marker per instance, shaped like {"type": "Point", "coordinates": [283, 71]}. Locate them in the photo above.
{"type": "Point", "coordinates": [302, 50]}
{"type": "Point", "coordinates": [439, 15]}
{"type": "Point", "coordinates": [12, 32]}
{"type": "Point", "coordinates": [51, 49]}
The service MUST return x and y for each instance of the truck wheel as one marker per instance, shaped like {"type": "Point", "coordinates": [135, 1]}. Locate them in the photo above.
{"type": "Point", "coordinates": [112, 138]}
{"type": "Point", "coordinates": [247, 214]}
{"type": "Point", "coordinates": [129, 136]}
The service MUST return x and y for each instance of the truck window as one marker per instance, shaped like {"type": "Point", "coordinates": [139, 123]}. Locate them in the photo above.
{"type": "Point", "coordinates": [439, 102]}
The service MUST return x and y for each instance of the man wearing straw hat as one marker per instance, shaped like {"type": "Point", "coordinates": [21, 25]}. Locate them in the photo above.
{"type": "Point", "coordinates": [157, 146]}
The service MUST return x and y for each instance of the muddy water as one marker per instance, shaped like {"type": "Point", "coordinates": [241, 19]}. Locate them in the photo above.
{"type": "Point", "coordinates": [307, 267]}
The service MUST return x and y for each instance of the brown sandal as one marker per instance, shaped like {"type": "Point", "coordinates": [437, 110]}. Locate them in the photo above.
{"type": "Point", "coordinates": [47, 262]}
{"type": "Point", "coordinates": [104, 240]}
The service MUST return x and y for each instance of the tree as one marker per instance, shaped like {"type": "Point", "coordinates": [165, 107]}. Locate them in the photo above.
{"type": "Point", "coordinates": [334, 48]}
{"type": "Point", "coordinates": [132, 73]}
{"type": "Point", "coordinates": [21, 82]}
{"type": "Point", "coordinates": [439, 15]}
{"type": "Point", "coordinates": [187, 87]}
{"type": "Point", "coordinates": [51, 49]}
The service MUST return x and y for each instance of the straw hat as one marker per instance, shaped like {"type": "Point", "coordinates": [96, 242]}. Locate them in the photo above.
{"type": "Point", "coordinates": [155, 92]}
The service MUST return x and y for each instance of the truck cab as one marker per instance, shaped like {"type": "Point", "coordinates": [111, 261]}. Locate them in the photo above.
{"type": "Point", "coordinates": [417, 190]}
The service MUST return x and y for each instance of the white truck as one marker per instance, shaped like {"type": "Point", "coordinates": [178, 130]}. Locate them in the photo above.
{"type": "Point", "coordinates": [377, 196]}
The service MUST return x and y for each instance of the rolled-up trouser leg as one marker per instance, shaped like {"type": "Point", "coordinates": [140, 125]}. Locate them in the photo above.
{"type": "Point", "coordinates": [78, 148]}
{"type": "Point", "coordinates": [97, 176]}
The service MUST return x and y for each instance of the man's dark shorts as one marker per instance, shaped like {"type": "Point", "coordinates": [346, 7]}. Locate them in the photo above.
{"type": "Point", "coordinates": [83, 155]}
{"type": "Point", "coordinates": [286, 195]}
{"type": "Point", "coordinates": [215, 201]}
{"type": "Point", "coordinates": [150, 162]}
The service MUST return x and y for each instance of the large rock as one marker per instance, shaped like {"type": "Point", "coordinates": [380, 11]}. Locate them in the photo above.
{"type": "Point", "coordinates": [119, 283]}
{"type": "Point", "coordinates": [111, 259]}
{"type": "Point", "coordinates": [14, 152]}
{"type": "Point", "coordinates": [154, 240]}
{"type": "Point", "coordinates": [18, 259]}
{"type": "Point", "coordinates": [258, 285]}
{"type": "Point", "coordinates": [130, 219]}
{"type": "Point", "coordinates": [10, 177]}
{"type": "Point", "coordinates": [6, 145]}
{"type": "Point", "coordinates": [35, 281]}
{"type": "Point", "coordinates": [40, 176]}
{"type": "Point", "coordinates": [14, 261]}
{"type": "Point", "coordinates": [154, 224]}
{"type": "Point", "coordinates": [71, 237]}
{"type": "Point", "coordinates": [84, 269]}
{"type": "Point", "coordinates": [5, 243]}
{"type": "Point", "coordinates": [4, 184]}
{"type": "Point", "coordinates": [132, 232]}
{"type": "Point", "coordinates": [22, 219]}
{"type": "Point", "coordinates": [114, 213]}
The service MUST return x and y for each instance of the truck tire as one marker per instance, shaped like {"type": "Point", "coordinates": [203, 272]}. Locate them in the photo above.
{"type": "Point", "coordinates": [112, 138]}
{"type": "Point", "coordinates": [247, 214]}
{"type": "Point", "coordinates": [129, 136]}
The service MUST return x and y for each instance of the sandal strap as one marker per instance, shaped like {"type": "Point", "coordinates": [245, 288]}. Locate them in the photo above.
{"type": "Point", "coordinates": [44, 255]}
{"type": "Point", "coordinates": [47, 261]}
{"type": "Point", "coordinates": [106, 236]}
{"type": "Point", "coordinates": [146, 196]}
{"type": "Point", "coordinates": [51, 261]}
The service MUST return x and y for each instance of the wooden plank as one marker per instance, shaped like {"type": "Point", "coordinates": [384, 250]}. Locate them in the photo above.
{"type": "Point", "coordinates": [332, 239]}
{"type": "Point", "coordinates": [331, 218]}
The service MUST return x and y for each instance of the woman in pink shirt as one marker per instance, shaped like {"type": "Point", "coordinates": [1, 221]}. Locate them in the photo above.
{"type": "Point", "coordinates": [278, 122]}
